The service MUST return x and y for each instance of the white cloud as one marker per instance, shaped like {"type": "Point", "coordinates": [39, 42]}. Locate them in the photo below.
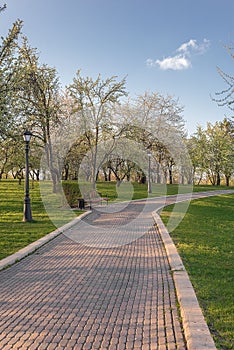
{"type": "Point", "coordinates": [150, 62]}
{"type": "Point", "coordinates": [203, 47]}
{"type": "Point", "coordinates": [183, 59]}
{"type": "Point", "coordinates": [176, 63]}
{"type": "Point", "coordinates": [185, 47]}
{"type": "Point", "coordinates": [192, 46]}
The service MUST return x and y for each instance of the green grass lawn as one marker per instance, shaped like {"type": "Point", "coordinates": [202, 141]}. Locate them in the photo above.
{"type": "Point", "coordinates": [205, 241]}
{"type": "Point", "coordinates": [140, 190]}
{"type": "Point", "coordinates": [15, 234]}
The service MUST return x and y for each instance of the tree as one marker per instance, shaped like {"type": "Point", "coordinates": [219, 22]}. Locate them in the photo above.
{"type": "Point", "coordinates": [197, 147]}
{"type": "Point", "coordinates": [228, 149]}
{"type": "Point", "coordinates": [226, 96]}
{"type": "Point", "coordinates": [2, 7]}
{"type": "Point", "coordinates": [5, 154]}
{"type": "Point", "coordinates": [212, 152]}
{"type": "Point", "coordinates": [155, 121]}
{"type": "Point", "coordinates": [122, 162]}
{"type": "Point", "coordinates": [39, 103]}
{"type": "Point", "coordinates": [74, 157]}
{"type": "Point", "coordinates": [8, 79]}
{"type": "Point", "coordinates": [220, 152]}
{"type": "Point", "coordinates": [92, 104]}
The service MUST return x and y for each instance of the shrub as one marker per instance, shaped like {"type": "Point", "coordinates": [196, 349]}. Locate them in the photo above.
{"type": "Point", "coordinates": [72, 192]}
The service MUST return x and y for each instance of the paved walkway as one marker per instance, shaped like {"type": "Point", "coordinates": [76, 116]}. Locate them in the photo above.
{"type": "Point", "coordinates": [70, 295]}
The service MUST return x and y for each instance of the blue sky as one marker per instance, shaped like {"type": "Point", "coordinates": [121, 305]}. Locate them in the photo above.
{"type": "Point", "coordinates": [169, 46]}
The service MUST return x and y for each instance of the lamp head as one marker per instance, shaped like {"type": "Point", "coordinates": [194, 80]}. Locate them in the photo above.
{"type": "Point", "coordinates": [27, 136]}
{"type": "Point", "coordinates": [149, 154]}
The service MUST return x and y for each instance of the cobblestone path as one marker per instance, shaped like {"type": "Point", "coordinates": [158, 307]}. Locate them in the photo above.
{"type": "Point", "coordinates": [69, 295]}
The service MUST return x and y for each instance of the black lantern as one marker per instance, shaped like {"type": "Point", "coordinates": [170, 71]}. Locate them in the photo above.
{"type": "Point", "coordinates": [149, 172]}
{"type": "Point", "coordinates": [27, 208]}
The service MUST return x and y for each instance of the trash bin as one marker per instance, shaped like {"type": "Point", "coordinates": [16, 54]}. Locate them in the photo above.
{"type": "Point", "coordinates": [81, 203]}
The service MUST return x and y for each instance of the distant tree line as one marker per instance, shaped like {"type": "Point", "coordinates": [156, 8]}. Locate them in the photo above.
{"type": "Point", "coordinates": [70, 126]}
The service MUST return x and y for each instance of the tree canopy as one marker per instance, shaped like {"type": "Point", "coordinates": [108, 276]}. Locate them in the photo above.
{"type": "Point", "coordinates": [93, 124]}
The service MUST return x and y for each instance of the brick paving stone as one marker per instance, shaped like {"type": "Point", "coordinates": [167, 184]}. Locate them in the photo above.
{"type": "Point", "coordinates": [29, 346]}
{"type": "Point", "coordinates": [8, 347]}
{"type": "Point", "coordinates": [52, 346]}
{"type": "Point", "coordinates": [43, 346]}
{"type": "Point", "coordinates": [75, 296]}
{"type": "Point", "coordinates": [3, 343]}
{"type": "Point", "coordinates": [130, 345]}
{"type": "Point", "coordinates": [105, 344]}
{"type": "Point", "coordinates": [12, 342]}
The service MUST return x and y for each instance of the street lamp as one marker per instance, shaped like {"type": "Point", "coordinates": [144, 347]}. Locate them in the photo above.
{"type": "Point", "coordinates": [27, 208]}
{"type": "Point", "coordinates": [149, 173]}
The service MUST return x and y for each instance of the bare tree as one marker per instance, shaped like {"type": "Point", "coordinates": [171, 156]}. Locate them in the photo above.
{"type": "Point", "coordinates": [2, 7]}
{"type": "Point", "coordinates": [226, 96]}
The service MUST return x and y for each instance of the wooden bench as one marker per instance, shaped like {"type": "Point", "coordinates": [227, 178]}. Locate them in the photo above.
{"type": "Point", "coordinates": [93, 197]}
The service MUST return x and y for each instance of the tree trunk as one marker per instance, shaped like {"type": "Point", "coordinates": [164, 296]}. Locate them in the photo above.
{"type": "Point", "coordinates": [118, 182]}
{"type": "Point", "coordinates": [14, 175]}
{"type": "Point", "coordinates": [212, 179]}
{"type": "Point", "coordinates": [66, 172]}
{"type": "Point", "coordinates": [218, 179]}
{"type": "Point", "coordinates": [54, 180]}
{"type": "Point", "coordinates": [158, 175]}
{"type": "Point", "coordinates": [49, 156]}
{"type": "Point", "coordinates": [158, 178]}
{"type": "Point", "coordinates": [170, 175]}
{"type": "Point", "coordinates": [109, 175]}
{"type": "Point", "coordinates": [97, 176]}
{"type": "Point", "coordinates": [105, 175]}
{"type": "Point", "coordinates": [94, 159]}
{"type": "Point", "coordinates": [182, 179]}
{"type": "Point", "coordinates": [143, 179]}
{"type": "Point", "coordinates": [227, 180]}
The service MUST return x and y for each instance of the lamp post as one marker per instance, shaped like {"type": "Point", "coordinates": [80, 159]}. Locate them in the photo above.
{"type": "Point", "coordinates": [149, 173]}
{"type": "Point", "coordinates": [27, 208]}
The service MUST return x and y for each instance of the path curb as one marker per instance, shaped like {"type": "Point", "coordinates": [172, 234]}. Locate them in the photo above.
{"type": "Point", "coordinates": [196, 331]}
{"type": "Point", "coordinates": [29, 249]}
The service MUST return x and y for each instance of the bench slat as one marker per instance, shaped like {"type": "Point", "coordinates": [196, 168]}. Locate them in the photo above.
{"type": "Point", "coordinates": [94, 197]}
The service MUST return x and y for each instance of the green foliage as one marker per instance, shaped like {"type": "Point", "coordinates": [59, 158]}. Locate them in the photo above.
{"type": "Point", "coordinates": [205, 241]}
{"type": "Point", "coordinates": [212, 152]}
{"type": "Point", "coordinates": [8, 79]}
{"type": "Point", "coordinates": [72, 192]}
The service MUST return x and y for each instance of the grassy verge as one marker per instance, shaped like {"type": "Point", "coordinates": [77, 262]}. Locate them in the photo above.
{"type": "Point", "coordinates": [205, 241]}
{"type": "Point", "coordinates": [140, 190]}
{"type": "Point", "coordinates": [15, 234]}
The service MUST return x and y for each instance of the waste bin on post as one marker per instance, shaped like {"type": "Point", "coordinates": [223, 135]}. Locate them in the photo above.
{"type": "Point", "coordinates": [81, 203]}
